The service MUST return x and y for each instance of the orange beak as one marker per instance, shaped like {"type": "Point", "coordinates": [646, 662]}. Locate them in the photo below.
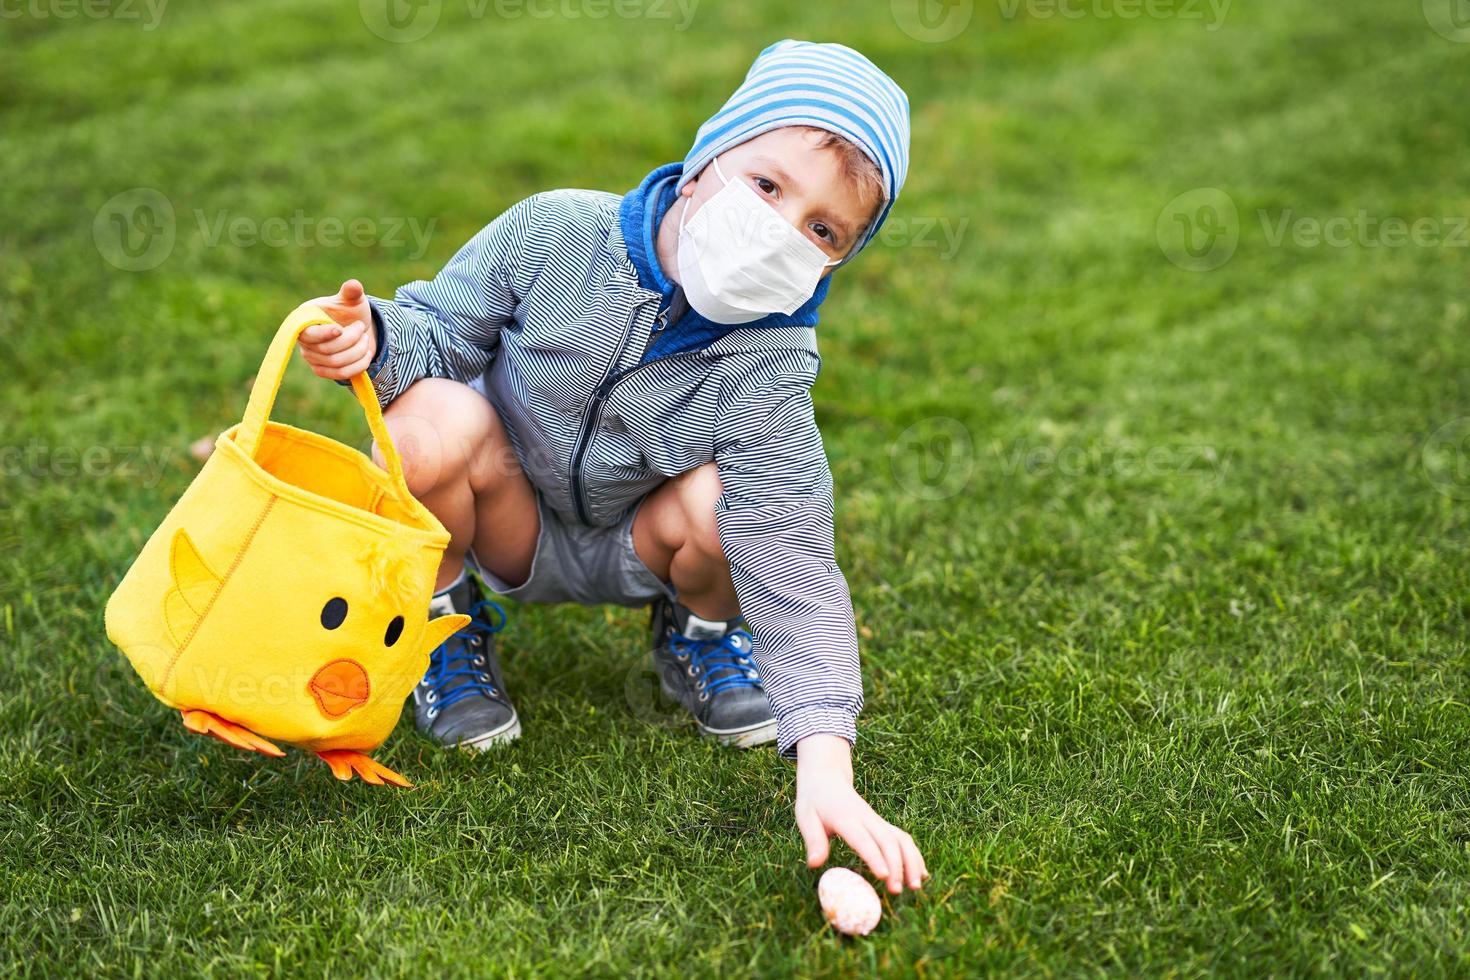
{"type": "Point", "coordinates": [339, 687]}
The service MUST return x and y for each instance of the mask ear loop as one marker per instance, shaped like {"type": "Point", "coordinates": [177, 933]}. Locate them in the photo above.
{"type": "Point", "coordinates": [724, 181]}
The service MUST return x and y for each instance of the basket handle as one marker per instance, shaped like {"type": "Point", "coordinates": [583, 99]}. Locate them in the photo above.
{"type": "Point", "coordinates": [273, 372]}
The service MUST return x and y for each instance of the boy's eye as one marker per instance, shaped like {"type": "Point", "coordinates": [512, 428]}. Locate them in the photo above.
{"type": "Point", "coordinates": [766, 186]}
{"type": "Point", "coordinates": [824, 232]}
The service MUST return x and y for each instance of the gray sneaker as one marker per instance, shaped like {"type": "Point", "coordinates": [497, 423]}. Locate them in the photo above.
{"type": "Point", "coordinates": [462, 700]}
{"type": "Point", "coordinates": [706, 666]}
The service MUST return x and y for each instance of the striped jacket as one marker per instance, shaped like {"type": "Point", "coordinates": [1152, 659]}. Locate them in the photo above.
{"type": "Point", "coordinates": [545, 305]}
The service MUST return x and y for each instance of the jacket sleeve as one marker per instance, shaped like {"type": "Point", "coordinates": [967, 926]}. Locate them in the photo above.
{"type": "Point", "coordinates": [775, 519]}
{"type": "Point", "coordinates": [449, 327]}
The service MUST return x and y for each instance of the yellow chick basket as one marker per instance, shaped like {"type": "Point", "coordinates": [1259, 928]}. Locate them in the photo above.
{"type": "Point", "coordinates": [286, 595]}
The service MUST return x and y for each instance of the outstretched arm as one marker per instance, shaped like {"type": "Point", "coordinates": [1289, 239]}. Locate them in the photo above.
{"type": "Point", "coordinates": [776, 527]}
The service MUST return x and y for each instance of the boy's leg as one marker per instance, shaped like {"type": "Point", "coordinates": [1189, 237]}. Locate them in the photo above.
{"type": "Point", "coordinates": [460, 464]}
{"type": "Point", "coordinates": [701, 646]}
{"type": "Point", "coordinates": [676, 537]}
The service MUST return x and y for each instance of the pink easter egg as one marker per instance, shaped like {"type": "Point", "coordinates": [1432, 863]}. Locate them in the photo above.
{"type": "Point", "coordinates": [849, 902]}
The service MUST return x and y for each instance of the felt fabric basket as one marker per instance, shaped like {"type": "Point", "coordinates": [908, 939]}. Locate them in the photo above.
{"type": "Point", "coordinates": [288, 590]}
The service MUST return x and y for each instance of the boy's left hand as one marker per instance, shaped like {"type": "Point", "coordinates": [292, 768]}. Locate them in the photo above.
{"type": "Point", "coordinates": [827, 804]}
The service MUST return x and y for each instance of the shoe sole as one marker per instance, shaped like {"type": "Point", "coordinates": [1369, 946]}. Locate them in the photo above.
{"type": "Point", "coordinates": [508, 732]}
{"type": "Point", "coordinates": [761, 733]}
{"type": "Point", "coordinates": [743, 738]}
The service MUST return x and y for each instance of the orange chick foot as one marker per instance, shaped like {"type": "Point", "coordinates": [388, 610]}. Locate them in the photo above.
{"type": "Point", "coordinates": [207, 723]}
{"type": "Point", "coordinates": [345, 763]}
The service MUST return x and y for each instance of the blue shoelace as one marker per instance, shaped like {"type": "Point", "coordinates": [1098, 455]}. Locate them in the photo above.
{"type": "Point", "coordinates": [721, 665]}
{"type": "Point", "coordinates": [457, 667]}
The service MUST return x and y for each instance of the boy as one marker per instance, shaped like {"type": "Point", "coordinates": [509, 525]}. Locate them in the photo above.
{"type": "Point", "coordinates": [607, 399]}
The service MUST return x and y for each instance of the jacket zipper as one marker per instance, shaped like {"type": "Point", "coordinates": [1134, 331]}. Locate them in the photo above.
{"type": "Point", "coordinates": [593, 416]}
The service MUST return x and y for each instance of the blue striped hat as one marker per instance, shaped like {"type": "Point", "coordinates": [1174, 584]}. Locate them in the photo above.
{"type": "Point", "coordinates": [825, 86]}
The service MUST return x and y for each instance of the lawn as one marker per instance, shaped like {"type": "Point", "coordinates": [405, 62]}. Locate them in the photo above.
{"type": "Point", "coordinates": [1154, 507]}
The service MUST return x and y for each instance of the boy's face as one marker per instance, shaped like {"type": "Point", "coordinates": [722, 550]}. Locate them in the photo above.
{"type": "Point", "coordinates": [802, 181]}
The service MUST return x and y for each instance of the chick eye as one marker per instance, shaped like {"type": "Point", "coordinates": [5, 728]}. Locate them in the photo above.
{"type": "Point", "coordinates": [395, 630]}
{"type": "Point", "coordinates": [334, 612]}
{"type": "Point", "coordinates": [766, 186]}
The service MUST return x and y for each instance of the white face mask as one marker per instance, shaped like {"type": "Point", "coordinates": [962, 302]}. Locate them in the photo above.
{"type": "Point", "coordinates": [739, 260]}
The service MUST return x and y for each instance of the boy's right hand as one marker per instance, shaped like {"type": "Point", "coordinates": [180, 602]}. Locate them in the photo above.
{"type": "Point", "coordinates": [338, 351]}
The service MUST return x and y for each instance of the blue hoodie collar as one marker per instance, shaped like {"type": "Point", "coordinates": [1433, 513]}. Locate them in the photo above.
{"type": "Point", "coordinates": [639, 216]}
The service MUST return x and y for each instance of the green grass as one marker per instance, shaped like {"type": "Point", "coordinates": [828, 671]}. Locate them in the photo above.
{"type": "Point", "coordinates": [1197, 711]}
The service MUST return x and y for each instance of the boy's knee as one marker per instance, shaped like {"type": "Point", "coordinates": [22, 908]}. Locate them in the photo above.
{"type": "Point", "coordinates": [439, 427]}
{"type": "Point", "coordinates": [699, 490]}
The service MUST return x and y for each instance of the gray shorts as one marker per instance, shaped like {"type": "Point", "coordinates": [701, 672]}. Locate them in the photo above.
{"type": "Point", "coordinates": [585, 565]}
